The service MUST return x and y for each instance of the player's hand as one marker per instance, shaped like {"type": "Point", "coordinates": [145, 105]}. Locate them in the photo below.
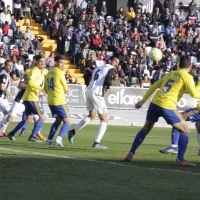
{"type": "Point", "coordinates": [139, 104]}
{"type": "Point", "coordinates": [106, 90]}
{"type": "Point", "coordinates": [10, 96]}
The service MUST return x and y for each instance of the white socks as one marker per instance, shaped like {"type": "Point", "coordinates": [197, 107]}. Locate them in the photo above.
{"type": "Point", "coordinates": [4, 124]}
{"type": "Point", "coordinates": [101, 130]}
{"type": "Point", "coordinates": [198, 138]}
{"type": "Point", "coordinates": [82, 124]}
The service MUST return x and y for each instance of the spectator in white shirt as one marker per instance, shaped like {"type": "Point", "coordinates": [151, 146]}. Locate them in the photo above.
{"type": "Point", "coordinates": [100, 62]}
{"type": "Point", "coordinates": [18, 68]}
{"type": "Point", "coordinates": [28, 33]}
{"type": "Point", "coordinates": [4, 16]}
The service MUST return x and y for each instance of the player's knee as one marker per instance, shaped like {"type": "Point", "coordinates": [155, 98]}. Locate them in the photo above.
{"type": "Point", "coordinates": [9, 118]}
{"type": "Point", "coordinates": [67, 120]}
{"type": "Point", "coordinates": [43, 117]}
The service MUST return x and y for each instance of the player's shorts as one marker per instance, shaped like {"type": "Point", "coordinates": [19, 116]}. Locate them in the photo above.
{"type": "Point", "coordinates": [170, 116]}
{"type": "Point", "coordinates": [59, 111]}
{"type": "Point", "coordinates": [95, 102]}
{"type": "Point", "coordinates": [193, 115]}
{"type": "Point", "coordinates": [16, 108]}
{"type": "Point", "coordinates": [4, 106]}
{"type": "Point", "coordinates": [33, 108]}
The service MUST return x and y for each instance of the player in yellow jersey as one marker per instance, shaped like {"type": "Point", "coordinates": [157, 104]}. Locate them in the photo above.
{"type": "Point", "coordinates": [35, 85]}
{"type": "Point", "coordinates": [171, 88]}
{"type": "Point", "coordinates": [56, 87]}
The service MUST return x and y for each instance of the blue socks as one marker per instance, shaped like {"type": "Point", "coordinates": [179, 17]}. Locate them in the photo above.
{"type": "Point", "coordinates": [53, 130]}
{"type": "Point", "coordinates": [37, 127]}
{"type": "Point", "coordinates": [175, 136]}
{"type": "Point", "coordinates": [182, 145]}
{"type": "Point", "coordinates": [138, 140]}
{"type": "Point", "coordinates": [19, 126]}
{"type": "Point", "coordinates": [64, 129]}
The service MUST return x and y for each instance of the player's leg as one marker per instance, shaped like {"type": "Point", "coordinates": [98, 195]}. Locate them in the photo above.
{"type": "Point", "coordinates": [23, 125]}
{"type": "Point", "coordinates": [32, 108]}
{"type": "Point", "coordinates": [153, 114]}
{"type": "Point", "coordinates": [39, 134]}
{"type": "Point", "coordinates": [197, 125]}
{"type": "Point", "coordinates": [86, 120]}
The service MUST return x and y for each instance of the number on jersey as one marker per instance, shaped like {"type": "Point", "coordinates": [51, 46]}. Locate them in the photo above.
{"type": "Point", "coordinates": [168, 86]}
{"type": "Point", "coordinates": [96, 76]}
{"type": "Point", "coordinates": [50, 84]}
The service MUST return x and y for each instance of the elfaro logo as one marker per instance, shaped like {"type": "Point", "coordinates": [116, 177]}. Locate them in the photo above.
{"type": "Point", "coordinates": [123, 99]}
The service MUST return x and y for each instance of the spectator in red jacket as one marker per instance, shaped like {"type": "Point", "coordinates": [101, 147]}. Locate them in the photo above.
{"type": "Point", "coordinates": [96, 42]}
{"type": "Point", "coordinates": [135, 32]}
{"type": "Point", "coordinates": [92, 23]}
{"type": "Point", "coordinates": [5, 28]}
{"type": "Point", "coordinates": [48, 4]}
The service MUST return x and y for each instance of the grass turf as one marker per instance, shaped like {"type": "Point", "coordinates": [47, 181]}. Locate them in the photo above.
{"type": "Point", "coordinates": [77, 171]}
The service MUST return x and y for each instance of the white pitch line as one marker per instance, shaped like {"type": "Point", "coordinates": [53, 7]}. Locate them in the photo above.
{"type": "Point", "coordinates": [98, 161]}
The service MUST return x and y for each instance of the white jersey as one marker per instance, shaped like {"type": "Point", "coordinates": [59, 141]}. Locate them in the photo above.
{"type": "Point", "coordinates": [98, 79]}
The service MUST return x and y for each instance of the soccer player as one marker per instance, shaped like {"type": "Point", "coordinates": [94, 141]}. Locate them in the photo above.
{"type": "Point", "coordinates": [98, 86]}
{"type": "Point", "coordinates": [56, 87]}
{"type": "Point", "coordinates": [5, 92]}
{"type": "Point", "coordinates": [172, 87]}
{"type": "Point", "coordinates": [32, 105]}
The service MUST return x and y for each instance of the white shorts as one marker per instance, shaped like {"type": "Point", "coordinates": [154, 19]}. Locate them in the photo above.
{"type": "Point", "coordinates": [95, 102]}
{"type": "Point", "coordinates": [16, 108]}
{"type": "Point", "coordinates": [4, 106]}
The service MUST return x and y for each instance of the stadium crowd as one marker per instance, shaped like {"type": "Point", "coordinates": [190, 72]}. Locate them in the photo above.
{"type": "Point", "coordinates": [91, 37]}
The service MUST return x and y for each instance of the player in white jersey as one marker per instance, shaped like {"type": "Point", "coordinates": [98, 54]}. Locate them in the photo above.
{"type": "Point", "coordinates": [5, 90]}
{"type": "Point", "coordinates": [98, 86]}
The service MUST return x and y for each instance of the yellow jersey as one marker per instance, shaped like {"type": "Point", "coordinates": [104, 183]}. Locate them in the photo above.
{"type": "Point", "coordinates": [172, 87]}
{"type": "Point", "coordinates": [56, 87]}
{"type": "Point", "coordinates": [35, 84]}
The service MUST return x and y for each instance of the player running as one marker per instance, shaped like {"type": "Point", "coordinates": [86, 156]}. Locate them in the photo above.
{"type": "Point", "coordinates": [56, 87]}
{"type": "Point", "coordinates": [5, 94]}
{"type": "Point", "coordinates": [98, 86]}
{"type": "Point", "coordinates": [172, 87]}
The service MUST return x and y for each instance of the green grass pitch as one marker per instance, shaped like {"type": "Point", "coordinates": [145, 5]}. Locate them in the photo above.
{"type": "Point", "coordinates": [77, 171]}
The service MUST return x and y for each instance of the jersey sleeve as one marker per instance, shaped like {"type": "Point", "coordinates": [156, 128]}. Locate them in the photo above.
{"type": "Point", "coordinates": [152, 89]}
{"type": "Point", "coordinates": [108, 79]}
{"type": "Point", "coordinates": [32, 83]}
{"type": "Point", "coordinates": [64, 83]}
{"type": "Point", "coordinates": [3, 79]}
{"type": "Point", "coordinates": [193, 90]}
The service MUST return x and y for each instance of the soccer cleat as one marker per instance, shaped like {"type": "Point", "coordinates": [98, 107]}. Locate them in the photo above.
{"type": "Point", "coordinates": [23, 131]}
{"type": "Point", "coordinates": [11, 136]}
{"type": "Point", "coordinates": [169, 150]}
{"type": "Point", "coordinates": [71, 134]}
{"type": "Point", "coordinates": [42, 137]}
{"type": "Point", "coordinates": [2, 134]}
{"type": "Point", "coordinates": [99, 146]}
{"type": "Point", "coordinates": [33, 139]}
{"type": "Point", "coordinates": [184, 163]}
{"type": "Point", "coordinates": [59, 141]}
{"type": "Point", "coordinates": [198, 152]}
{"type": "Point", "coordinates": [50, 142]}
{"type": "Point", "coordinates": [129, 157]}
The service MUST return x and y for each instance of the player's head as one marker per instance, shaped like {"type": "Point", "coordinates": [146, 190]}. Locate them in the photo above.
{"type": "Point", "coordinates": [114, 61]}
{"type": "Point", "coordinates": [40, 61]}
{"type": "Point", "coordinates": [8, 66]}
{"type": "Point", "coordinates": [185, 62]}
{"type": "Point", "coordinates": [60, 61]}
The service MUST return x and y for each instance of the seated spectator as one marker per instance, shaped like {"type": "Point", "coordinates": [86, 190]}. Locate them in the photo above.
{"type": "Point", "coordinates": [145, 27]}
{"type": "Point", "coordinates": [17, 10]}
{"type": "Point", "coordinates": [100, 62]}
{"type": "Point", "coordinates": [68, 77]}
{"type": "Point", "coordinates": [109, 24]}
{"type": "Point", "coordinates": [145, 82]}
{"type": "Point", "coordinates": [28, 33]}
{"type": "Point", "coordinates": [170, 28]}
{"type": "Point", "coordinates": [170, 40]}
{"type": "Point", "coordinates": [135, 33]}
{"type": "Point", "coordinates": [4, 16]}
{"type": "Point", "coordinates": [100, 25]}
{"type": "Point", "coordinates": [18, 68]}
{"type": "Point", "coordinates": [156, 17]}
{"type": "Point", "coordinates": [96, 42]}
{"type": "Point", "coordinates": [120, 12]}
{"type": "Point", "coordinates": [36, 42]}
{"type": "Point", "coordinates": [92, 23]}
{"type": "Point", "coordinates": [91, 62]}
{"type": "Point", "coordinates": [153, 37]}
{"type": "Point", "coordinates": [28, 65]}
{"type": "Point", "coordinates": [161, 43]}
{"type": "Point", "coordinates": [187, 25]}
{"type": "Point", "coordinates": [196, 49]}
{"type": "Point", "coordinates": [46, 18]}
{"type": "Point", "coordinates": [5, 28]}
{"type": "Point", "coordinates": [48, 4]}
{"type": "Point", "coordinates": [77, 12]}
{"type": "Point", "coordinates": [50, 58]}
{"type": "Point", "coordinates": [49, 65]}
{"type": "Point", "coordinates": [167, 67]}
{"type": "Point", "coordinates": [11, 56]}
{"type": "Point", "coordinates": [57, 14]}
{"type": "Point", "coordinates": [15, 51]}
{"type": "Point", "coordinates": [23, 55]}
{"type": "Point", "coordinates": [130, 14]}
{"type": "Point", "coordinates": [181, 29]}
{"type": "Point", "coordinates": [17, 36]}
{"type": "Point", "coordinates": [107, 42]}
{"type": "Point", "coordinates": [94, 15]}
{"type": "Point", "coordinates": [179, 40]}
{"type": "Point", "coordinates": [13, 23]}
{"type": "Point", "coordinates": [37, 10]}
{"type": "Point", "coordinates": [187, 47]}
{"type": "Point", "coordinates": [119, 26]}
{"type": "Point", "coordinates": [166, 17]}
{"type": "Point", "coordinates": [27, 44]}
{"type": "Point", "coordinates": [120, 48]}
{"type": "Point", "coordinates": [140, 59]}
{"type": "Point", "coordinates": [174, 20]}
{"type": "Point", "coordinates": [2, 56]}
{"type": "Point", "coordinates": [182, 17]}
{"type": "Point", "coordinates": [13, 77]}
{"type": "Point", "coordinates": [192, 6]}
{"type": "Point", "coordinates": [157, 75]}
{"type": "Point", "coordinates": [145, 38]}
{"type": "Point", "coordinates": [175, 14]}
{"type": "Point", "coordinates": [54, 33]}
{"type": "Point", "coordinates": [76, 81]}
{"type": "Point", "coordinates": [117, 81]}
{"type": "Point", "coordinates": [188, 35]}
{"type": "Point", "coordinates": [192, 17]}
{"type": "Point", "coordinates": [140, 71]}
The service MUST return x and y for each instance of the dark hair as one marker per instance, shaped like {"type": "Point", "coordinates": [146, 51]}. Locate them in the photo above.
{"type": "Point", "coordinates": [59, 57]}
{"type": "Point", "coordinates": [185, 61]}
{"type": "Point", "coordinates": [8, 61]}
{"type": "Point", "coordinates": [39, 57]}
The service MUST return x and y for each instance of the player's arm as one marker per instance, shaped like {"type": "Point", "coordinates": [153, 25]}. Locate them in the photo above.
{"type": "Point", "coordinates": [3, 79]}
{"type": "Point", "coordinates": [108, 79]}
{"type": "Point", "coordinates": [64, 83]}
{"type": "Point", "coordinates": [193, 90]}
{"type": "Point", "coordinates": [23, 82]}
{"type": "Point", "coordinates": [32, 83]}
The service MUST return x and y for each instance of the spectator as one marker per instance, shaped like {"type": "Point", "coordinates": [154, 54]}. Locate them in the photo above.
{"type": "Point", "coordinates": [76, 81]}
{"type": "Point", "coordinates": [2, 57]}
{"type": "Point", "coordinates": [182, 17]}
{"type": "Point", "coordinates": [94, 15]}
{"type": "Point", "coordinates": [100, 25]}
{"type": "Point", "coordinates": [18, 68]}
{"type": "Point", "coordinates": [86, 38]}
{"type": "Point", "coordinates": [169, 4]}
{"type": "Point", "coordinates": [69, 11]}
{"type": "Point", "coordinates": [161, 43]}
{"type": "Point", "coordinates": [23, 55]}
{"type": "Point", "coordinates": [156, 17]}
{"type": "Point", "coordinates": [100, 62]}
{"type": "Point", "coordinates": [179, 40]}
{"type": "Point", "coordinates": [28, 65]}
{"type": "Point", "coordinates": [96, 42]}
{"type": "Point", "coordinates": [120, 12]}
{"type": "Point", "coordinates": [107, 42]}
{"type": "Point", "coordinates": [130, 14]}
{"type": "Point", "coordinates": [83, 22]}
{"type": "Point", "coordinates": [181, 29]}
{"type": "Point", "coordinates": [117, 81]}
{"type": "Point", "coordinates": [145, 82]}
{"type": "Point", "coordinates": [5, 28]}
{"type": "Point", "coordinates": [170, 40]}
{"type": "Point", "coordinates": [48, 4]}
{"type": "Point", "coordinates": [27, 10]}
{"type": "Point", "coordinates": [135, 32]}
{"type": "Point", "coordinates": [57, 14]}
{"type": "Point", "coordinates": [11, 56]}
{"type": "Point", "coordinates": [174, 20]}
{"type": "Point", "coordinates": [61, 38]}
{"type": "Point", "coordinates": [192, 6]}
{"type": "Point", "coordinates": [17, 36]}
{"type": "Point", "coordinates": [27, 44]}
{"type": "Point", "coordinates": [64, 19]}
{"type": "Point", "coordinates": [157, 75]}
{"type": "Point", "coordinates": [153, 37]}
{"type": "Point", "coordinates": [140, 71]}
{"type": "Point", "coordinates": [192, 17]}
{"type": "Point", "coordinates": [2, 5]}
{"type": "Point", "coordinates": [46, 18]}
{"type": "Point", "coordinates": [109, 24]}
{"type": "Point", "coordinates": [140, 59]}
{"type": "Point", "coordinates": [170, 28]}
{"type": "Point", "coordinates": [15, 51]}
{"type": "Point", "coordinates": [17, 9]}
{"type": "Point", "coordinates": [167, 67]}
{"type": "Point", "coordinates": [49, 65]}
{"type": "Point", "coordinates": [36, 42]}
{"type": "Point", "coordinates": [50, 58]}
{"type": "Point", "coordinates": [166, 17]}
{"type": "Point", "coordinates": [92, 23]}
{"type": "Point", "coordinates": [119, 26]}
{"type": "Point", "coordinates": [4, 16]}
{"type": "Point", "coordinates": [148, 15]}
{"type": "Point", "coordinates": [37, 10]}
{"type": "Point", "coordinates": [28, 33]}
{"type": "Point", "coordinates": [103, 9]}
{"type": "Point", "coordinates": [68, 77]}
{"type": "Point", "coordinates": [54, 34]}
{"type": "Point", "coordinates": [196, 49]}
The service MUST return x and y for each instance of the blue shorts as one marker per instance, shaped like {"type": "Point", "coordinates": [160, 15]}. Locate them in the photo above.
{"type": "Point", "coordinates": [170, 116]}
{"type": "Point", "coordinates": [192, 114]}
{"type": "Point", "coordinates": [33, 108]}
{"type": "Point", "coordinates": [59, 111]}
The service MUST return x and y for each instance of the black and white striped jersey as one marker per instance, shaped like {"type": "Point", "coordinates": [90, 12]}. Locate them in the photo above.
{"type": "Point", "coordinates": [4, 79]}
